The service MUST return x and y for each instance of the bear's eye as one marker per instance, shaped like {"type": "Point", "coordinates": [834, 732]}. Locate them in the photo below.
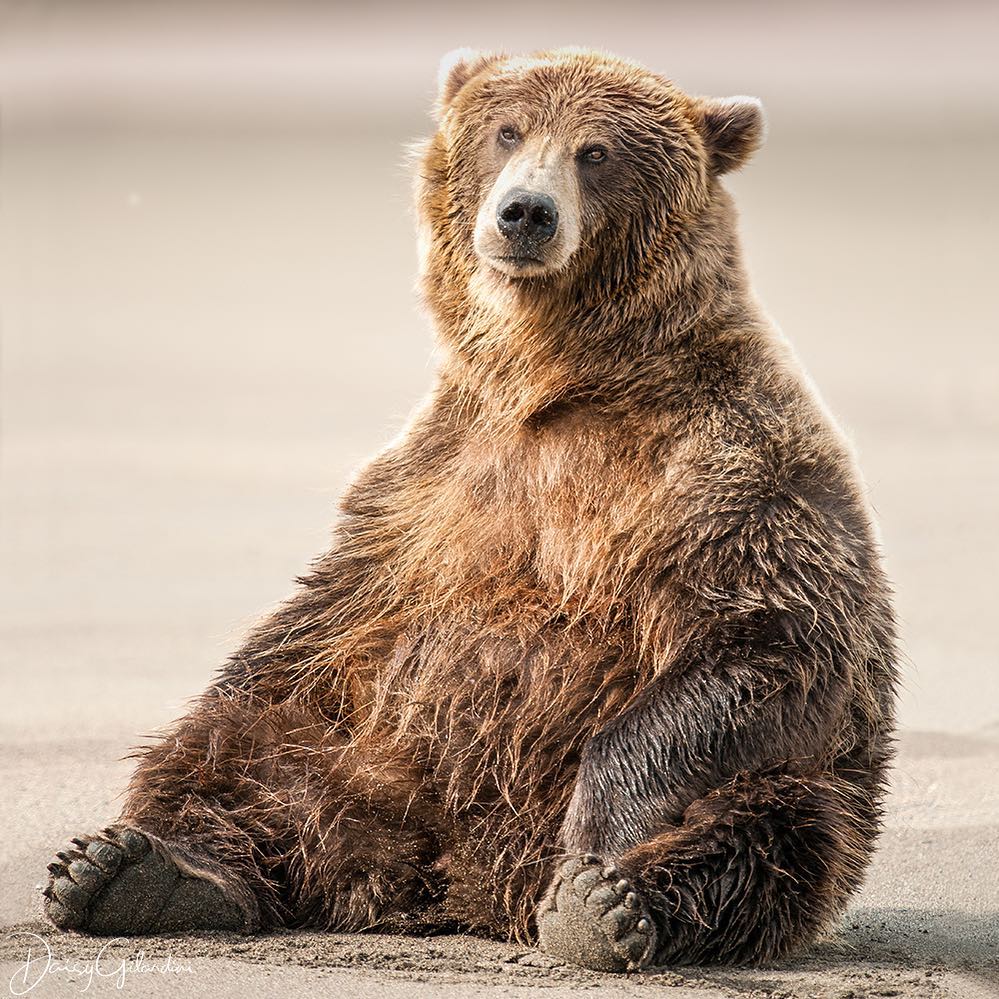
{"type": "Point", "coordinates": [593, 154]}
{"type": "Point", "coordinates": [508, 135]}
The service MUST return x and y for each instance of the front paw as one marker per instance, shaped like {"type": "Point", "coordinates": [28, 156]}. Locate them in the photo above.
{"type": "Point", "coordinates": [591, 916]}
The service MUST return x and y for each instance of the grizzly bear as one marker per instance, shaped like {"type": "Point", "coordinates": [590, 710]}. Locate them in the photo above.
{"type": "Point", "coordinates": [602, 655]}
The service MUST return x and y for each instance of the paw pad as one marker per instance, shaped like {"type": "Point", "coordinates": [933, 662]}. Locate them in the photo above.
{"type": "Point", "coordinates": [593, 917]}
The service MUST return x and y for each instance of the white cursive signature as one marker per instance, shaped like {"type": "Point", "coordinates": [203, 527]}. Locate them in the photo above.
{"type": "Point", "coordinates": [40, 963]}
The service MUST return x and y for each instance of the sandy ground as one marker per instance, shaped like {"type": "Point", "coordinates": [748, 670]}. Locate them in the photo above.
{"type": "Point", "coordinates": [194, 358]}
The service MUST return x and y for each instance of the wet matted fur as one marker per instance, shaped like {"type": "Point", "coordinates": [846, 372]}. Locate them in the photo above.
{"type": "Point", "coordinates": [606, 622]}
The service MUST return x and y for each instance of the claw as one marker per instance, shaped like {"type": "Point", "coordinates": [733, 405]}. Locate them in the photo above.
{"type": "Point", "coordinates": [631, 900]}
{"type": "Point", "coordinates": [610, 871]}
{"type": "Point", "coordinates": [644, 925]}
{"type": "Point", "coordinates": [622, 886]}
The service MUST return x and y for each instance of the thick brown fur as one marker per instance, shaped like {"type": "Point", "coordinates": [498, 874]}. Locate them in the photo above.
{"type": "Point", "coordinates": [614, 591]}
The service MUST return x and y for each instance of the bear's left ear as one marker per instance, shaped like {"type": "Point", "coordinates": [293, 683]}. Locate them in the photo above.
{"type": "Point", "coordinates": [733, 129]}
{"type": "Point", "coordinates": [456, 69]}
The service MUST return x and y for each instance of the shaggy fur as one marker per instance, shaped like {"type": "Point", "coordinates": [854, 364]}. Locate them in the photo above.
{"type": "Point", "coordinates": [613, 596]}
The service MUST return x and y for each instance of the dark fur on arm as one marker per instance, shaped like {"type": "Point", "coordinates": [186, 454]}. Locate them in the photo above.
{"type": "Point", "coordinates": [740, 702]}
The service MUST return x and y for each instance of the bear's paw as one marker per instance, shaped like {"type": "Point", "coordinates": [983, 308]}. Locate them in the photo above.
{"type": "Point", "coordinates": [117, 883]}
{"type": "Point", "coordinates": [592, 916]}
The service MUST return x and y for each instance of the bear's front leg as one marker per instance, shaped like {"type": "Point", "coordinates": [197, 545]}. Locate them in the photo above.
{"type": "Point", "coordinates": [592, 916]}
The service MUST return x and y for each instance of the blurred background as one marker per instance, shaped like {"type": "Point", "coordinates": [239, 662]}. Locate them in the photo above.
{"type": "Point", "coordinates": [206, 264]}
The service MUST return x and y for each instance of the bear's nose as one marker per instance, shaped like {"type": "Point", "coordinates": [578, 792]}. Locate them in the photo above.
{"type": "Point", "coordinates": [527, 216]}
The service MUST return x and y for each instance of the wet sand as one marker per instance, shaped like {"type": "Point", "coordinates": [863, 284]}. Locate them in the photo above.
{"type": "Point", "coordinates": [195, 357]}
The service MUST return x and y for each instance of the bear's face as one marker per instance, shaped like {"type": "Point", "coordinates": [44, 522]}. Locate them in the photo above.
{"type": "Point", "coordinates": [572, 160]}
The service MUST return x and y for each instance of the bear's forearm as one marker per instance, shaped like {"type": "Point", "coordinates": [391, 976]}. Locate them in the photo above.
{"type": "Point", "coordinates": [692, 732]}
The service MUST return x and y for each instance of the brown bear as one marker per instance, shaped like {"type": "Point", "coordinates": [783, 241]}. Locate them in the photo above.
{"type": "Point", "coordinates": [602, 654]}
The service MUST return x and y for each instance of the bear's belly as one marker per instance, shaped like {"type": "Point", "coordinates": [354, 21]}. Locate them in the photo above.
{"type": "Point", "coordinates": [500, 720]}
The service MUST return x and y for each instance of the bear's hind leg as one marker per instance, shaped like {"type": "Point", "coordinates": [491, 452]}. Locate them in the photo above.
{"type": "Point", "coordinates": [251, 815]}
{"type": "Point", "coordinates": [754, 870]}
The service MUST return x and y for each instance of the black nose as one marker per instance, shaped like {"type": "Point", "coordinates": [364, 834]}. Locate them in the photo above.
{"type": "Point", "coordinates": [527, 216]}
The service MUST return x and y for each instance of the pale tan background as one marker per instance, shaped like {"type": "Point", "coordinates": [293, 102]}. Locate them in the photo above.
{"type": "Point", "coordinates": [206, 261]}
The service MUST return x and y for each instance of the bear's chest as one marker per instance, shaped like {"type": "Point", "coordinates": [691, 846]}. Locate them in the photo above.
{"type": "Point", "coordinates": [552, 509]}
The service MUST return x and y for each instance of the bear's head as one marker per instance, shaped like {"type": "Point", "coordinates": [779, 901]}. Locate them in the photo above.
{"type": "Point", "coordinates": [578, 193]}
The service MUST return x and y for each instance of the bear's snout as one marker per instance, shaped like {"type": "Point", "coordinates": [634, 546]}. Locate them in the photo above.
{"type": "Point", "coordinates": [527, 218]}
{"type": "Point", "coordinates": [528, 223]}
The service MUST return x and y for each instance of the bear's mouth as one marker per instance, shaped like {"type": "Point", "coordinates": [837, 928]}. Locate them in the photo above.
{"type": "Point", "coordinates": [520, 261]}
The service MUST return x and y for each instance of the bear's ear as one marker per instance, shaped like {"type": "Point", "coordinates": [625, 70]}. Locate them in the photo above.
{"type": "Point", "coordinates": [456, 69]}
{"type": "Point", "coordinates": [733, 129]}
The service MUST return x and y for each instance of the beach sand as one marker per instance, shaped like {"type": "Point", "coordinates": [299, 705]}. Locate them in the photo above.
{"type": "Point", "coordinates": [193, 364]}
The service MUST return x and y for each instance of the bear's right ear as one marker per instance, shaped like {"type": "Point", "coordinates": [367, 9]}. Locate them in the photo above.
{"type": "Point", "coordinates": [456, 69]}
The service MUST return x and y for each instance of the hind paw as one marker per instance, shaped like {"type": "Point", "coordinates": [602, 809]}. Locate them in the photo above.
{"type": "Point", "coordinates": [593, 917]}
{"type": "Point", "coordinates": [116, 883]}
